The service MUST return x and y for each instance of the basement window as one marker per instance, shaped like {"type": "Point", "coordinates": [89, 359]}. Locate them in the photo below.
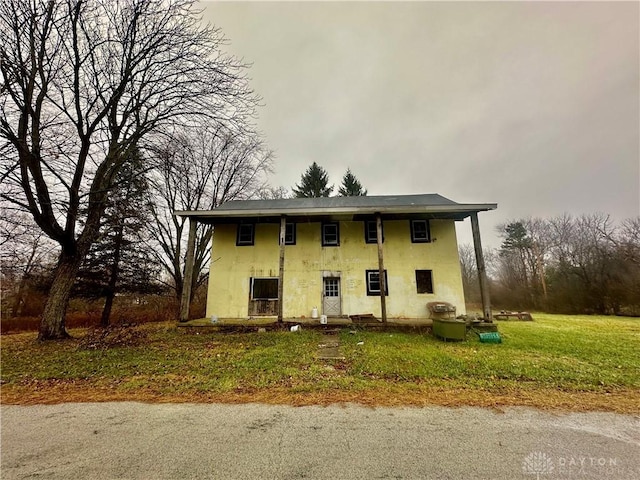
{"type": "Point", "coordinates": [330, 234]}
{"type": "Point", "coordinates": [424, 281]}
{"type": "Point", "coordinates": [264, 289]}
{"type": "Point", "coordinates": [420, 231]}
{"type": "Point", "coordinates": [371, 232]}
{"type": "Point", "coordinates": [373, 283]}
{"type": "Point", "coordinates": [245, 234]}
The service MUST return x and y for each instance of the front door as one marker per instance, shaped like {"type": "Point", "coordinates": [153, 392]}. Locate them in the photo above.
{"type": "Point", "coordinates": [331, 297]}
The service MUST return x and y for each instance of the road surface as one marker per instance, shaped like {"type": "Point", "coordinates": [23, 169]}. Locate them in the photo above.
{"type": "Point", "coordinates": [172, 441]}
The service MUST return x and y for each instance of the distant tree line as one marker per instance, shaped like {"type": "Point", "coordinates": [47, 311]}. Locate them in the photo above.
{"type": "Point", "coordinates": [564, 264]}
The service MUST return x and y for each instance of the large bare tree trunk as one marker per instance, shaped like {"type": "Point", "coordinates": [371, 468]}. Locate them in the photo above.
{"type": "Point", "coordinates": [52, 324]}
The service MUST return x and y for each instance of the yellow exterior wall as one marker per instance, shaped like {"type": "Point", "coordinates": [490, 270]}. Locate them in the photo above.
{"type": "Point", "coordinates": [307, 261]}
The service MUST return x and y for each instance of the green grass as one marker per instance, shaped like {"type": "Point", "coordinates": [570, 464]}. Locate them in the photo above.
{"type": "Point", "coordinates": [570, 354]}
{"type": "Point", "coordinates": [562, 352]}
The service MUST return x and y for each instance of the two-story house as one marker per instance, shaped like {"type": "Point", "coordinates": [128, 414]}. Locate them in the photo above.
{"type": "Point", "coordinates": [290, 258]}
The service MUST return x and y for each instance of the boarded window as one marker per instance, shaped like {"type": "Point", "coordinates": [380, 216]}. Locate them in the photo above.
{"type": "Point", "coordinates": [424, 281]}
{"type": "Point", "coordinates": [264, 289]}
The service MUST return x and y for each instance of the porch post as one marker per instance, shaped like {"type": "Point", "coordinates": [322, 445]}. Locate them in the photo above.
{"type": "Point", "coordinates": [383, 283]}
{"type": "Point", "coordinates": [482, 272]}
{"type": "Point", "coordinates": [185, 300]}
{"type": "Point", "coordinates": [283, 230]}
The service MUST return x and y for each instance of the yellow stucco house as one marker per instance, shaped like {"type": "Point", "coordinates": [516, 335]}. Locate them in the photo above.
{"type": "Point", "coordinates": [299, 259]}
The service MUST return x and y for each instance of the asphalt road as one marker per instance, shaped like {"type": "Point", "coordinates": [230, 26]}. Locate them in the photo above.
{"type": "Point", "coordinates": [140, 441]}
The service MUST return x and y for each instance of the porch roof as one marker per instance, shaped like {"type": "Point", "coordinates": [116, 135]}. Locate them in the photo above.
{"type": "Point", "coordinates": [430, 205]}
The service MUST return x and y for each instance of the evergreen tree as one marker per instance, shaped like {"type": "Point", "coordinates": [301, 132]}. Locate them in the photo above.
{"type": "Point", "coordinates": [351, 187]}
{"type": "Point", "coordinates": [119, 260]}
{"type": "Point", "coordinates": [313, 183]}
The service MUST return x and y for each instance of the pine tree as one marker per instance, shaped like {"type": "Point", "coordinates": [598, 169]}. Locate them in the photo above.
{"type": "Point", "coordinates": [351, 187]}
{"type": "Point", "coordinates": [118, 261]}
{"type": "Point", "coordinates": [313, 183]}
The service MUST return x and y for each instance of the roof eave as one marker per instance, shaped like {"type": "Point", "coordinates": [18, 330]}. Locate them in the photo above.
{"type": "Point", "coordinates": [457, 210]}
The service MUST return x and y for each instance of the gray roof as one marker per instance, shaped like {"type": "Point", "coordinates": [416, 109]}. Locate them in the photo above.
{"type": "Point", "coordinates": [429, 205]}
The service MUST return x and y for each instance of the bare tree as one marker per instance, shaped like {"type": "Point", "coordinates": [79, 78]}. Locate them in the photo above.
{"type": "Point", "coordinates": [273, 193]}
{"type": "Point", "coordinates": [84, 82]}
{"type": "Point", "coordinates": [628, 265]}
{"type": "Point", "coordinates": [26, 252]}
{"type": "Point", "coordinates": [588, 267]}
{"type": "Point", "coordinates": [469, 271]}
{"type": "Point", "coordinates": [523, 256]}
{"type": "Point", "coordinates": [200, 169]}
{"type": "Point", "coordinates": [538, 230]}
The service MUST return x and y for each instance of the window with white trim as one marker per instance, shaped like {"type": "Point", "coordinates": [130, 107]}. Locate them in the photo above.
{"type": "Point", "coordinates": [290, 234]}
{"type": "Point", "coordinates": [420, 231]}
{"type": "Point", "coordinates": [373, 283]}
{"type": "Point", "coordinates": [371, 231]}
{"type": "Point", "coordinates": [330, 234]}
{"type": "Point", "coordinates": [245, 234]}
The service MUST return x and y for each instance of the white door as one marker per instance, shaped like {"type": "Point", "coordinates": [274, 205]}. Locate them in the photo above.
{"type": "Point", "coordinates": [331, 297]}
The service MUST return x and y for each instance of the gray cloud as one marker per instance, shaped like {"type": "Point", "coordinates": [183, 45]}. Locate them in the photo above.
{"type": "Point", "coordinates": [531, 105]}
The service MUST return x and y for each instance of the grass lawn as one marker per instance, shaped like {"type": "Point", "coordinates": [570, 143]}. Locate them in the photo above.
{"type": "Point", "coordinates": [560, 362]}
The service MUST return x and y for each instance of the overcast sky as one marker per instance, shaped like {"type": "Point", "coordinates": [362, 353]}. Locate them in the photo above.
{"type": "Point", "coordinates": [533, 106]}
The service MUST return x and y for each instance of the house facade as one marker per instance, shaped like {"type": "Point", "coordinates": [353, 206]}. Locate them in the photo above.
{"type": "Point", "coordinates": [338, 254]}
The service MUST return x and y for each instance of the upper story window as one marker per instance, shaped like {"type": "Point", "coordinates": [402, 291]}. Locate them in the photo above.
{"type": "Point", "coordinates": [420, 232]}
{"type": "Point", "coordinates": [245, 234]}
{"type": "Point", "coordinates": [330, 234]}
{"type": "Point", "coordinates": [371, 232]}
{"type": "Point", "coordinates": [290, 234]}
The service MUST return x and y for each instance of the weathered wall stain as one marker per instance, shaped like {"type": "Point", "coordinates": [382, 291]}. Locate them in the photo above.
{"type": "Point", "coordinates": [305, 262]}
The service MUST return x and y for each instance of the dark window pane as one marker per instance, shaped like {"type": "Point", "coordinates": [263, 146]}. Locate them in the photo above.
{"type": "Point", "coordinates": [245, 234]}
{"type": "Point", "coordinates": [290, 234]}
{"type": "Point", "coordinates": [264, 289]}
{"type": "Point", "coordinates": [330, 234]}
{"type": "Point", "coordinates": [373, 283]}
{"type": "Point", "coordinates": [424, 281]}
{"type": "Point", "coordinates": [420, 231]}
{"type": "Point", "coordinates": [371, 232]}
